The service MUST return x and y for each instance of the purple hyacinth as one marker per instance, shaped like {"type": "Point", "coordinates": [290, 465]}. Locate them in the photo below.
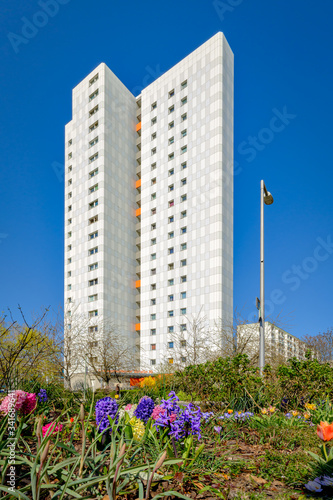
{"type": "Point", "coordinates": [42, 396]}
{"type": "Point", "coordinates": [144, 409]}
{"type": "Point", "coordinates": [104, 408]}
{"type": "Point", "coordinates": [207, 415]}
{"type": "Point", "coordinates": [187, 423]}
{"type": "Point", "coordinates": [170, 411]}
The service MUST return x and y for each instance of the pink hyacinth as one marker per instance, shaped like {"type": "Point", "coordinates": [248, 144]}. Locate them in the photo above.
{"type": "Point", "coordinates": [51, 428]}
{"type": "Point", "coordinates": [157, 411]}
{"type": "Point", "coordinates": [128, 407]}
{"type": "Point", "coordinates": [20, 401]}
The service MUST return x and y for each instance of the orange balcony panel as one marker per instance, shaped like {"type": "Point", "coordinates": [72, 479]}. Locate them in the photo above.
{"type": "Point", "coordinates": [137, 327]}
{"type": "Point", "coordinates": [138, 127]}
{"type": "Point", "coordinates": [137, 283]}
{"type": "Point", "coordinates": [138, 183]}
{"type": "Point", "coordinates": [137, 212]}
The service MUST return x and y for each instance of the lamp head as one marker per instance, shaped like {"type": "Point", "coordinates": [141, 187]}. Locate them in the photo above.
{"type": "Point", "coordinates": [268, 198]}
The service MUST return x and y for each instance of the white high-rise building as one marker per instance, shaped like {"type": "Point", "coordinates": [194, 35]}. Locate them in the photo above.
{"type": "Point", "coordinates": [149, 200]}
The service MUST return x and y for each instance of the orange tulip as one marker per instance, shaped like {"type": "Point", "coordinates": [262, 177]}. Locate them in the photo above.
{"type": "Point", "coordinates": [325, 431]}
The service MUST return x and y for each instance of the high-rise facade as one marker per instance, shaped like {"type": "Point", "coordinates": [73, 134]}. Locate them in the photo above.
{"type": "Point", "coordinates": [149, 200]}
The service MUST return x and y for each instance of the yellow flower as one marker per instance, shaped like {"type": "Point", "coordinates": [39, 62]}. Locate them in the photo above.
{"type": "Point", "coordinates": [138, 428]}
{"type": "Point", "coordinates": [149, 382]}
{"type": "Point", "coordinates": [307, 415]}
{"type": "Point", "coordinates": [272, 409]}
{"type": "Point", "coordinates": [230, 411]}
{"type": "Point", "coordinates": [264, 411]}
{"type": "Point", "coordinates": [310, 406]}
{"type": "Point", "coordinates": [117, 396]}
{"type": "Point", "coordinates": [295, 413]}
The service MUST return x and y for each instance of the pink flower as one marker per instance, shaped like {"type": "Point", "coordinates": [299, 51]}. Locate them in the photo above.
{"type": "Point", "coordinates": [157, 411]}
{"type": "Point", "coordinates": [51, 428]}
{"type": "Point", "coordinates": [20, 401]}
{"type": "Point", "coordinates": [128, 407]}
{"type": "Point", "coordinates": [172, 417]}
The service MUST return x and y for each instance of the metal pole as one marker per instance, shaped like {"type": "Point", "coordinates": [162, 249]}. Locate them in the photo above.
{"type": "Point", "coordinates": [262, 284]}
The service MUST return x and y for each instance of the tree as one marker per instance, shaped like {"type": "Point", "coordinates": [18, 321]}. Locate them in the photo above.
{"type": "Point", "coordinates": [321, 345]}
{"type": "Point", "coordinates": [26, 351]}
{"type": "Point", "coordinates": [107, 351]}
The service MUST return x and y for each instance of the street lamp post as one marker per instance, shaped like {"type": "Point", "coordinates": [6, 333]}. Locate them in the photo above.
{"type": "Point", "coordinates": [267, 199]}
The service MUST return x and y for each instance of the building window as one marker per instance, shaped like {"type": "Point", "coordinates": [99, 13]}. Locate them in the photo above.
{"type": "Point", "coordinates": [69, 234]}
{"type": "Point", "coordinates": [93, 235]}
{"type": "Point", "coordinates": [70, 155]}
{"type": "Point", "coordinates": [183, 85]}
{"type": "Point", "coordinates": [171, 282]}
{"type": "Point", "coordinates": [153, 361]}
{"type": "Point", "coordinates": [171, 171]}
{"type": "Point", "coordinates": [153, 286]}
{"type": "Point", "coordinates": [93, 188]}
{"type": "Point", "coordinates": [171, 156]}
{"type": "Point", "coordinates": [153, 256]}
{"type": "Point", "coordinates": [153, 151]}
{"type": "Point", "coordinates": [69, 300]}
{"type": "Point", "coordinates": [69, 247]}
{"type": "Point", "coordinates": [183, 150]}
{"type": "Point", "coordinates": [183, 197]}
{"type": "Point", "coordinates": [170, 360]}
{"type": "Point", "coordinates": [171, 109]}
{"type": "Point", "coordinates": [153, 120]}
{"type": "Point", "coordinates": [183, 230]}
{"type": "Point", "coordinates": [153, 211]}
{"type": "Point", "coordinates": [153, 347]}
{"type": "Point", "coordinates": [153, 136]}
{"type": "Point", "coordinates": [154, 105]}
{"type": "Point", "coordinates": [170, 298]}
{"type": "Point", "coordinates": [93, 95]}
{"type": "Point", "coordinates": [183, 263]}
{"type": "Point", "coordinates": [171, 266]}
{"type": "Point", "coordinates": [153, 302]}
{"type": "Point", "coordinates": [183, 246]}
{"type": "Point", "coordinates": [93, 282]}
{"type": "Point", "coordinates": [183, 214]}
{"type": "Point", "coordinates": [92, 267]}
{"type": "Point", "coordinates": [184, 165]}
{"type": "Point", "coordinates": [93, 142]}
{"type": "Point", "coordinates": [171, 187]}
{"type": "Point", "coordinates": [171, 140]}
{"type": "Point", "coordinates": [69, 287]}
{"type": "Point", "coordinates": [183, 310]}
{"type": "Point", "coordinates": [93, 126]}
{"type": "Point", "coordinates": [171, 219]}
{"type": "Point", "coordinates": [171, 124]}
{"type": "Point", "coordinates": [93, 219]}
{"type": "Point", "coordinates": [153, 272]}
{"type": "Point", "coordinates": [70, 195]}
{"type": "Point", "coordinates": [171, 203]}
{"type": "Point", "coordinates": [184, 101]}
{"type": "Point", "coordinates": [184, 117]}
{"type": "Point", "coordinates": [153, 226]}
{"type": "Point", "coordinates": [170, 345]}
{"type": "Point", "coordinates": [70, 142]}
{"type": "Point", "coordinates": [93, 313]}
{"type": "Point", "coordinates": [170, 314]}
{"type": "Point", "coordinates": [93, 80]}
{"type": "Point", "coordinates": [183, 359]}
{"type": "Point", "coordinates": [153, 316]}
{"type": "Point", "coordinates": [183, 133]}
{"type": "Point", "coordinates": [170, 329]}
{"type": "Point", "coordinates": [93, 204]}
{"type": "Point", "coordinates": [92, 298]}
{"type": "Point", "coordinates": [92, 251]}
{"type": "Point", "coordinates": [70, 221]}
{"type": "Point", "coordinates": [183, 182]}
{"type": "Point", "coordinates": [69, 182]}
{"type": "Point", "coordinates": [183, 343]}
{"type": "Point", "coordinates": [172, 93]}
{"type": "Point", "coordinates": [171, 250]}
{"type": "Point", "coordinates": [171, 235]}
{"type": "Point", "coordinates": [70, 168]}
{"type": "Point", "coordinates": [153, 241]}
{"type": "Point", "coordinates": [69, 261]}
{"type": "Point", "coordinates": [69, 274]}
{"type": "Point", "coordinates": [93, 111]}
{"type": "Point", "coordinates": [153, 181]}
{"type": "Point", "coordinates": [69, 208]}
{"type": "Point", "coordinates": [153, 166]}
{"type": "Point", "coordinates": [93, 158]}
{"type": "Point", "coordinates": [153, 331]}
{"type": "Point", "coordinates": [183, 295]}
{"type": "Point", "coordinates": [93, 173]}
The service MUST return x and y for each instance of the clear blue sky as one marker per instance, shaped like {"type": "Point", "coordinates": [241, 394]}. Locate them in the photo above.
{"type": "Point", "coordinates": [283, 65]}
